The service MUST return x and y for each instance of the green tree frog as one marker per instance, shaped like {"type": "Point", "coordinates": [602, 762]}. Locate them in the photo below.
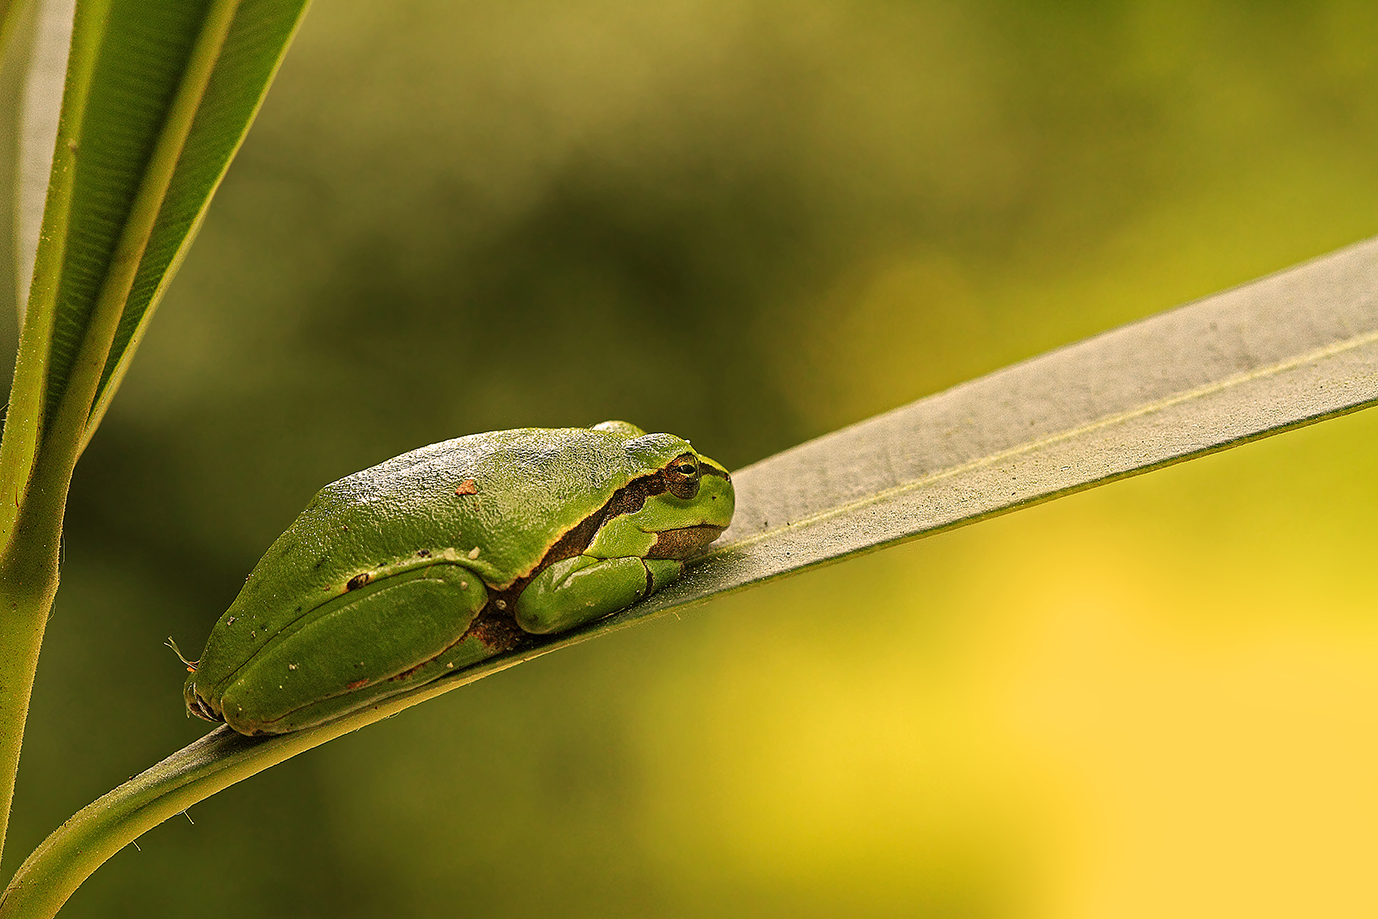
{"type": "Point", "coordinates": [441, 557]}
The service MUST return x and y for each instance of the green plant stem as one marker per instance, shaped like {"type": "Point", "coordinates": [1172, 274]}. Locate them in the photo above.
{"type": "Point", "coordinates": [219, 759]}
{"type": "Point", "coordinates": [28, 584]}
{"type": "Point", "coordinates": [101, 829]}
{"type": "Point", "coordinates": [28, 568]}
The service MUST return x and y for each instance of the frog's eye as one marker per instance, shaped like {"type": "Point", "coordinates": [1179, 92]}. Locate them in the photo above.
{"type": "Point", "coordinates": [682, 477]}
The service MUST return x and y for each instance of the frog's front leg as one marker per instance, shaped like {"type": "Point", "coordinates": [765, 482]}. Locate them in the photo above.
{"type": "Point", "coordinates": [581, 589]}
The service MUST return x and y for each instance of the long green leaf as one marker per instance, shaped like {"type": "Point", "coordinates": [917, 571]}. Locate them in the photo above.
{"type": "Point", "coordinates": [256, 38]}
{"type": "Point", "coordinates": [1289, 350]}
{"type": "Point", "coordinates": [159, 96]}
{"type": "Point", "coordinates": [1285, 351]}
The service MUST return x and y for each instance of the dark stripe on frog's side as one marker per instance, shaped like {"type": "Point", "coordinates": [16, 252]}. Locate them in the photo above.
{"type": "Point", "coordinates": [495, 625]}
{"type": "Point", "coordinates": [628, 499]}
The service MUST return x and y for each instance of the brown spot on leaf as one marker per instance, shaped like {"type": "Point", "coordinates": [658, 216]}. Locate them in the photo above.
{"type": "Point", "coordinates": [357, 684]}
{"type": "Point", "coordinates": [359, 580]}
{"type": "Point", "coordinates": [467, 487]}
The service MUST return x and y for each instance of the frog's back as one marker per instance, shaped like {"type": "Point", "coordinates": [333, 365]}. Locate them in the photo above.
{"type": "Point", "coordinates": [508, 494]}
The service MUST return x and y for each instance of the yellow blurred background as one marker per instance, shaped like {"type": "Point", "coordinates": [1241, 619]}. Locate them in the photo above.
{"type": "Point", "coordinates": [750, 223]}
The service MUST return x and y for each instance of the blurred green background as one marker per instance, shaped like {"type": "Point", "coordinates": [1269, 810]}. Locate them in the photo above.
{"type": "Point", "coordinates": [750, 223]}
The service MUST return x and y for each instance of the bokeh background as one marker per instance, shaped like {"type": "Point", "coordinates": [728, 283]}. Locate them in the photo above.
{"type": "Point", "coordinates": [750, 222]}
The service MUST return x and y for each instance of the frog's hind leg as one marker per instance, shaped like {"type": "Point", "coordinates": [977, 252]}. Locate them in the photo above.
{"type": "Point", "coordinates": [348, 654]}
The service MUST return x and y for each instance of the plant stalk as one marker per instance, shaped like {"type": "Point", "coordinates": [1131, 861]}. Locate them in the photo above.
{"type": "Point", "coordinates": [28, 585]}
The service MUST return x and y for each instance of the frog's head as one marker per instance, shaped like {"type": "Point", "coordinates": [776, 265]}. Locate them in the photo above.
{"type": "Point", "coordinates": [695, 507]}
{"type": "Point", "coordinates": [681, 506]}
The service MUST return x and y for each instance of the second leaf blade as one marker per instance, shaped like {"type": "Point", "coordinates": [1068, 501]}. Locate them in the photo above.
{"type": "Point", "coordinates": [170, 89]}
